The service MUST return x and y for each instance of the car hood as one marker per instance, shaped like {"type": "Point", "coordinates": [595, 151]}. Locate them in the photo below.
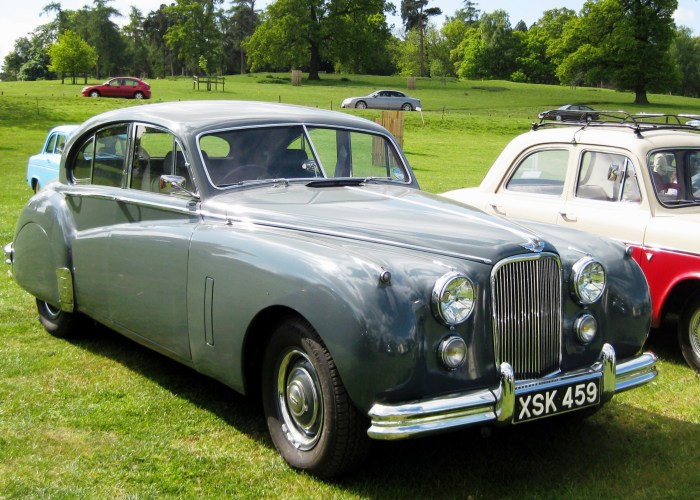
{"type": "Point", "coordinates": [390, 215]}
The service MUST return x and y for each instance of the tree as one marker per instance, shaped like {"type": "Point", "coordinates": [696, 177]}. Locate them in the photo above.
{"type": "Point", "coordinates": [615, 41]}
{"type": "Point", "coordinates": [488, 50]}
{"type": "Point", "coordinates": [685, 55]}
{"type": "Point", "coordinates": [239, 27]}
{"type": "Point", "coordinates": [415, 15]}
{"type": "Point", "coordinates": [72, 55]}
{"type": "Point", "coordinates": [195, 33]}
{"type": "Point", "coordinates": [536, 63]}
{"type": "Point", "coordinates": [310, 33]}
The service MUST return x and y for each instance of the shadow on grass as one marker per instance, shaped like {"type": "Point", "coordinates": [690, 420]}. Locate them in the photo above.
{"type": "Point", "coordinates": [243, 413]}
{"type": "Point", "coordinates": [618, 450]}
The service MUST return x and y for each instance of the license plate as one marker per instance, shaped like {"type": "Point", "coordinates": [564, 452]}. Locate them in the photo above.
{"type": "Point", "coordinates": [560, 399]}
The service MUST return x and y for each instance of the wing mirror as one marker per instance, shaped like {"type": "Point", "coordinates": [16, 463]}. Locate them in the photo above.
{"type": "Point", "coordinates": [175, 184]}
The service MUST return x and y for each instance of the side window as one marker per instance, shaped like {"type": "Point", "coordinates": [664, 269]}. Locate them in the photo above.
{"type": "Point", "coordinates": [345, 153]}
{"type": "Point", "coordinates": [60, 144]}
{"type": "Point", "coordinates": [51, 145]}
{"type": "Point", "coordinates": [110, 156]}
{"type": "Point", "coordinates": [542, 172]}
{"type": "Point", "coordinates": [82, 163]}
{"type": "Point", "coordinates": [156, 153]}
{"type": "Point", "coordinates": [607, 177]}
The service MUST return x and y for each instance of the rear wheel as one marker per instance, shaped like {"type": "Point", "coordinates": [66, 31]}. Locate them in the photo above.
{"type": "Point", "coordinates": [689, 332]}
{"type": "Point", "coordinates": [138, 95]}
{"type": "Point", "coordinates": [361, 105]}
{"type": "Point", "coordinates": [57, 322]}
{"type": "Point", "coordinates": [312, 422]}
{"type": "Point", "coordinates": [407, 107]}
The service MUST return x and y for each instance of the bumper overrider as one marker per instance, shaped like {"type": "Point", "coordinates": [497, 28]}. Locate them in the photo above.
{"type": "Point", "coordinates": [512, 401]}
{"type": "Point", "coordinates": [8, 251]}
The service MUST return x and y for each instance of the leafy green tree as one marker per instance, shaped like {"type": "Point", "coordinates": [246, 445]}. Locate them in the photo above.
{"type": "Point", "coordinates": [72, 55]}
{"type": "Point", "coordinates": [309, 33]}
{"type": "Point", "coordinates": [241, 23]}
{"type": "Point", "coordinates": [685, 55]}
{"type": "Point", "coordinates": [195, 33]}
{"type": "Point", "coordinates": [489, 50]}
{"type": "Point", "coordinates": [137, 43]}
{"type": "Point", "coordinates": [536, 63]}
{"type": "Point", "coordinates": [163, 59]}
{"type": "Point", "coordinates": [95, 26]}
{"type": "Point", "coordinates": [415, 15]}
{"type": "Point", "coordinates": [623, 43]}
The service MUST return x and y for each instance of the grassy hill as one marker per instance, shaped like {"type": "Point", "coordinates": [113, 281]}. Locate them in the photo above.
{"type": "Point", "coordinates": [102, 417]}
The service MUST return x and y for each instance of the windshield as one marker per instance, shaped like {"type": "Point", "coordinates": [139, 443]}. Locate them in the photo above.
{"type": "Point", "coordinates": [676, 176]}
{"type": "Point", "coordinates": [242, 156]}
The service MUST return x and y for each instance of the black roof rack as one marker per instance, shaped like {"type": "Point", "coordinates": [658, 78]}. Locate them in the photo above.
{"type": "Point", "coordinates": [638, 123]}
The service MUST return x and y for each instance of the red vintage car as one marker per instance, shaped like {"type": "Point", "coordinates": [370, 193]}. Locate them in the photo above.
{"type": "Point", "coordinates": [121, 86]}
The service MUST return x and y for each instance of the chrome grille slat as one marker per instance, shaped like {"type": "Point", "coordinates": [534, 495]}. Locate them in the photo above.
{"type": "Point", "coordinates": [526, 297]}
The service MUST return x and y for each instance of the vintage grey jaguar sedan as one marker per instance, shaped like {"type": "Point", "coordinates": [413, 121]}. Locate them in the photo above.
{"type": "Point", "coordinates": [289, 253]}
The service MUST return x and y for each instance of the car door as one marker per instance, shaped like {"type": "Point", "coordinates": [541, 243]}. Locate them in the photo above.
{"type": "Point", "coordinates": [607, 197]}
{"type": "Point", "coordinates": [132, 241]}
{"type": "Point", "coordinates": [534, 187]}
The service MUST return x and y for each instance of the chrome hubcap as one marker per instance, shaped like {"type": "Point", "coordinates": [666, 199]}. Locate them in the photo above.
{"type": "Point", "coordinates": [694, 331]}
{"type": "Point", "coordinates": [299, 399]}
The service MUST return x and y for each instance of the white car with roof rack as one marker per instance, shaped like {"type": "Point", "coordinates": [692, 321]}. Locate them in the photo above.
{"type": "Point", "coordinates": [634, 178]}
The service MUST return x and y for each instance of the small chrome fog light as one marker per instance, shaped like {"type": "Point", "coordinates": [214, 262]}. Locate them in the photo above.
{"type": "Point", "coordinates": [586, 328]}
{"type": "Point", "coordinates": [452, 352]}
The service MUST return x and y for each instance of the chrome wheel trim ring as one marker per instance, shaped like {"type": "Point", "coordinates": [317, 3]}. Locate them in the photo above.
{"type": "Point", "coordinates": [51, 311]}
{"type": "Point", "coordinates": [694, 331]}
{"type": "Point", "coordinates": [299, 399]}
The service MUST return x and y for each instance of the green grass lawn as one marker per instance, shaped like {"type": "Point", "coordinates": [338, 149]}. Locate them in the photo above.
{"type": "Point", "coordinates": [101, 417]}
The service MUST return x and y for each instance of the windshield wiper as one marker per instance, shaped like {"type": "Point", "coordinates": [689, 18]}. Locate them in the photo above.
{"type": "Point", "coordinates": [345, 181]}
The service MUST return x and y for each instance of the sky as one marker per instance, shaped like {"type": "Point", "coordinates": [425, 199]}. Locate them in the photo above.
{"type": "Point", "coordinates": [26, 14]}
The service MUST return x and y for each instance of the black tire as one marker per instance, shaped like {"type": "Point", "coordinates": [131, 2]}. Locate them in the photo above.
{"type": "Point", "coordinates": [689, 332]}
{"type": "Point", "coordinates": [94, 93]}
{"type": "Point", "coordinates": [139, 95]}
{"type": "Point", "coordinates": [58, 323]}
{"type": "Point", "coordinates": [361, 105]}
{"type": "Point", "coordinates": [312, 422]}
{"type": "Point", "coordinates": [406, 107]}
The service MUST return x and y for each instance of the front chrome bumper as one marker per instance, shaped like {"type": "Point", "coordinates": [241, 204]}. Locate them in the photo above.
{"type": "Point", "coordinates": [487, 406]}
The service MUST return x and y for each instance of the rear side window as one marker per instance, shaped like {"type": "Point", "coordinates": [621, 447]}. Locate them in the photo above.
{"type": "Point", "coordinates": [101, 158]}
{"type": "Point", "coordinates": [542, 172]}
{"type": "Point", "coordinates": [607, 177]}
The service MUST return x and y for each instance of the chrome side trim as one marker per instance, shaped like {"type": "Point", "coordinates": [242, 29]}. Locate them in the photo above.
{"type": "Point", "coordinates": [487, 406]}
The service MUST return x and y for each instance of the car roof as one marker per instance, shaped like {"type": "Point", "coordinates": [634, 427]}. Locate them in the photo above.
{"type": "Point", "coordinates": [615, 136]}
{"type": "Point", "coordinates": [198, 116]}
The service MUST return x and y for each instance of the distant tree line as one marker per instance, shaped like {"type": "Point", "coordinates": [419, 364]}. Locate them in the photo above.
{"type": "Point", "coordinates": [631, 45]}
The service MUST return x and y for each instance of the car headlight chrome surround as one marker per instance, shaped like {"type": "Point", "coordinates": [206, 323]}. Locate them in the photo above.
{"type": "Point", "coordinates": [452, 352]}
{"type": "Point", "coordinates": [586, 328]}
{"type": "Point", "coordinates": [453, 298]}
{"type": "Point", "coordinates": [588, 280]}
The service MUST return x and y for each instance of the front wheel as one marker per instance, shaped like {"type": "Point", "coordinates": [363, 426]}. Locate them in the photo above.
{"type": "Point", "coordinates": [312, 422]}
{"type": "Point", "coordinates": [689, 332]}
{"type": "Point", "coordinates": [361, 105]}
{"type": "Point", "coordinates": [57, 322]}
{"type": "Point", "coordinates": [94, 93]}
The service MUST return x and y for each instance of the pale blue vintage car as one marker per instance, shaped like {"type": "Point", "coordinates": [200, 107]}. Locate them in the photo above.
{"type": "Point", "coordinates": [42, 168]}
{"type": "Point", "coordinates": [289, 253]}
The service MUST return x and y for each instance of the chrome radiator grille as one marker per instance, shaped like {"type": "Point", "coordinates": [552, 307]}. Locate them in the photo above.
{"type": "Point", "coordinates": [526, 295]}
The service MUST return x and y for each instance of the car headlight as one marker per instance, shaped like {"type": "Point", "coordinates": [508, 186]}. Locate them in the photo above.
{"type": "Point", "coordinates": [453, 298]}
{"type": "Point", "coordinates": [588, 280]}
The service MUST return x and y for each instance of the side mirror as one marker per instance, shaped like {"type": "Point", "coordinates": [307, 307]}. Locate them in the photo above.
{"type": "Point", "coordinates": [175, 184]}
